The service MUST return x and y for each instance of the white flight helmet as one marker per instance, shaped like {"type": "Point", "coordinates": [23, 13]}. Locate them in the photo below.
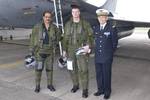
{"type": "Point", "coordinates": [62, 62]}
{"type": "Point", "coordinates": [30, 62]}
{"type": "Point", "coordinates": [80, 51]}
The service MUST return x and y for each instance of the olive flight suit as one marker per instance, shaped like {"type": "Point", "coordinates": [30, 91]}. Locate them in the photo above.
{"type": "Point", "coordinates": [42, 45]}
{"type": "Point", "coordinates": [77, 35]}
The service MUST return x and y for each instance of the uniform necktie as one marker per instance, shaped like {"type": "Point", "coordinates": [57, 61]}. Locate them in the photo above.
{"type": "Point", "coordinates": [101, 28]}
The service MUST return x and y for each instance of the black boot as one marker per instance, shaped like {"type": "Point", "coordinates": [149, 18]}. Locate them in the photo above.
{"type": "Point", "coordinates": [98, 93]}
{"type": "Point", "coordinates": [75, 88]}
{"type": "Point", "coordinates": [85, 93]}
{"type": "Point", "coordinates": [37, 89]}
{"type": "Point", "coordinates": [51, 88]}
{"type": "Point", "coordinates": [106, 96]}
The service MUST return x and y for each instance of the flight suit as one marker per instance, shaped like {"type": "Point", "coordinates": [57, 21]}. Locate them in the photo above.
{"type": "Point", "coordinates": [77, 35]}
{"type": "Point", "coordinates": [105, 45]}
{"type": "Point", "coordinates": [42, 45]}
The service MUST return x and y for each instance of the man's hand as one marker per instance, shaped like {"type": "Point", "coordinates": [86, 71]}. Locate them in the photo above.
{"type": "Point", "coordinates": [64, 54]}
{"type": "Point", "coordinates": [87, 49]}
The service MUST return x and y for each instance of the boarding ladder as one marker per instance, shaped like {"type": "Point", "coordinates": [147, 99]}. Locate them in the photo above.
{"type": "Point", "coordinates": [58, 15]}
{"type": "Point", "coordinates": [59, 20]}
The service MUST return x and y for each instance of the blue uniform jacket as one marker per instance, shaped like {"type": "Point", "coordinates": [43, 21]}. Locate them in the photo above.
{"type": "Point", "coordinates": [105, 43]}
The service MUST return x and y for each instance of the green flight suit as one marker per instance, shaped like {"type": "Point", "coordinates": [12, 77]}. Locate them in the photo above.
{"type": "Point", "coordinates": [39, 49]}
{"type": "Point", "coordinates": [75, 36]}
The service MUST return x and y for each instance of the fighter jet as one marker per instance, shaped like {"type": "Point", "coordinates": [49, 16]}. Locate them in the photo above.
{"type": "Point", "coordinates": [125, 15]}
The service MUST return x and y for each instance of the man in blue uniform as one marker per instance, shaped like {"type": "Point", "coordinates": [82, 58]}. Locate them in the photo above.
{"type": "Point", "coordinates": [105, 45]}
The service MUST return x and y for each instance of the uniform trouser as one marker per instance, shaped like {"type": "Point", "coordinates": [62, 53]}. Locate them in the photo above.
{"type": "Point", "coordinates": [80, 71]}
{"type": "Point", "coordinates": [103, 76]}
{"type": "Point", "coordinates": [46, 62]}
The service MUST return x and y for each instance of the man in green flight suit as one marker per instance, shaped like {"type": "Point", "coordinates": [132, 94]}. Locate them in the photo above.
{"type": "Point", "coordinates": [78, 34]}
{"type": "Point", "coordinates": [45, 35]}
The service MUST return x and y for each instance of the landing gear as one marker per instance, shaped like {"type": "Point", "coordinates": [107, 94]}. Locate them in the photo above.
{"type": "Point", "coordinates": [149, 33]}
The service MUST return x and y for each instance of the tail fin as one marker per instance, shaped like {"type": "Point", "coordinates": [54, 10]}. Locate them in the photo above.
{"type": "Point", "coordinates": [110, 5]}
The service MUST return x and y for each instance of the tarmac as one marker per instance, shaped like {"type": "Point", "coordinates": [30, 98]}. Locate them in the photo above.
{"type": "Point", "coordinates": [130, 73]}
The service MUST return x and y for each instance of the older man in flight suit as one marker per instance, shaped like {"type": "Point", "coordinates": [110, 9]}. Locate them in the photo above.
{"type": "Point", "coordinates": [45, 35]}
{"type": "Point", "coordinates": [105, 45]}
{"type": "Point", "coordinates": [78, 33]}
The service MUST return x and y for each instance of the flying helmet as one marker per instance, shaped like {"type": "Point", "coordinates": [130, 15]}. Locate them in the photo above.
{"type": "Point", "coordinates": [80, 51]}
{"type": "Point", "coordinates": [62, 62]}
{"type": "Point", "coordinates": [30, 62]}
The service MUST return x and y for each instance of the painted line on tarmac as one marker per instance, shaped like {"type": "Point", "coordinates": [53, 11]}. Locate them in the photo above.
{"type": "Point", "coordinates": [19, 77]}
{"type": "Point", "coordinates": [11, 65]}
{"type": "Point", "coordinates": [16, 43]}
{"type": "Point", "coordinates": [24, 75]}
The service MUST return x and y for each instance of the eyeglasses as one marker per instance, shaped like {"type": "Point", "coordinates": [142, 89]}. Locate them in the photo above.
{"type": "Point", "coordinates": [47, 17]}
